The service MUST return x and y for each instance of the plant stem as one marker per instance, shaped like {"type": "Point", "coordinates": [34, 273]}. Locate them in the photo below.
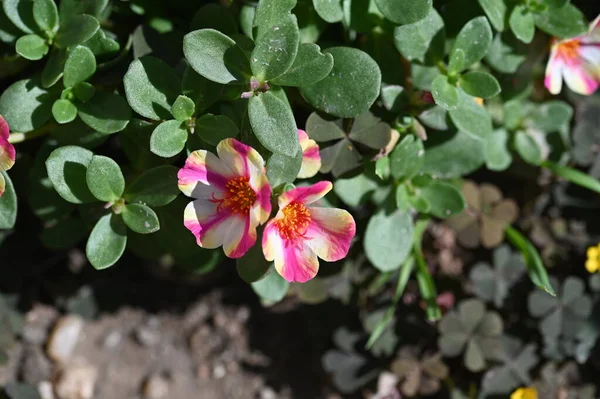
{"type": "Point", "coordinates": [17, 137]}
{"type": "Point", "coordinates": [573, 175]}
{"type": "Point", "coordinates": [426, 284]}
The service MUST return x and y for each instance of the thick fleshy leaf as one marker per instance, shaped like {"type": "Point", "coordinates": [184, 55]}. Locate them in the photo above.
{"type": "Point", "coordinates": [272, 288]}
{"type": "Point", "coordinates": [70, 8]}
{"type": "Point", "coordinates": [20, 13]}
{"type": "Point", "coordinates": [407, 158]}
{"type": "Point", "coordinates": [528, 148]}
{"type": "Point", "coordinates": [151, 87]}
{"type": "Point", "coordinates": [67, 168]}
{"type": "Point", "coordinates": [404, 11]}
{"type": "Point", "coordinates": [8, 202]}
{"type": "Point", "coordinates": [273, 124]}
{"type": "Point", "coordinates": [551, 116]}
{"type": "Point", "coordinates": [495, 11]}
{"type": "Point", "coordinates": [168, 139]}
{"type": "Point", "coordinates": [453, 156]}
{"type": "Point", "coordinates": [183, 108]}
{"type": "Point", "coordinates": [45, 15]}
{"type": "Point", "coordinates": [54, 68]}
{"type": "Point", "coordinates": [444, 93]}
{"type": "Point", "coordinates": [76, 30]}
{"type": "Point", "coordinates": [564, 22]}
{"type": "Point", "coordinates": [470, 117]}
{"type": "Point", "coordinates": [444, 199]}
{"type": "Point", "coordinates": [330, 10]}
{"type": "Point", "coordinates": [522, 23]}
{"type": "Point", "coordinates": [80, 65]}
{"type": "Point", "coordinates": [141, 218]}
{"type": "Point", "coordinates": [64, 111]}
{"type": "Point", "coordinates": [32, 47]}
{"type": "Point", "coordinates": [107, 241]}
{"type": "Point", "coordinates": [474, 39]}
{"type": "Point", "coordinates": [388, 239]}
{"type": "Point", "coordinates": [283, 169]}
{"type": "Point", "coordinates": [214, 16]}
{"type": "Point", "coordinates": [214, 128]}
{"type": "Point", "coordinates": [216, 56]}
{"type": "Point", "coordinates": [497, 154]}
{"type": "Point", "coordinates": [276, 49]}
{"type": "Point", "coordinates": [270, 12]}
{"type": "Point", "coordinates": [107, 113]}
{"type": "Point", "coordinates": [105, 179]}
{"type": "Point", "coordinates": [341, 96]}
{"type": "Point", "coordinates": [310, 66]}
{"type": "Point", "coordinates": [154, 187]}
{"type": "Point", "coordinates": [422, 40]}
{"type": "Point", "coordinates": [479, 84]}
{"type": "Point", "coordinates": [505, 54]}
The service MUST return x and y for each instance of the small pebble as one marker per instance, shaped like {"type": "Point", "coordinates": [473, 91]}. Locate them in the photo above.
{"type": "Point", "coordinates": [77, 382]}
{"type": "Point", "coordinates": [156, 387]}
{"type": "Point", "coordinates": [45, 390]}
{"type": "Point", "coordinates": [219, 371]}
{"type": "Point", "coordinates": [64, 337]}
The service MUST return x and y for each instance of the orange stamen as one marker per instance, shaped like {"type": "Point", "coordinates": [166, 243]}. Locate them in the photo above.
{"type": "Point", "coordinates": [569, 49]}
{"type": "Point", "coordinates": [239, 196]}
{"type": "Point", "coordinates": [295, 221]}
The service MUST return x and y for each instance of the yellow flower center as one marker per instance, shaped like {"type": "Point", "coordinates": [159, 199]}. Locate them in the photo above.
{"type": "Point", "coordinates": [295, 221]}
{"type": "Point", "coordinates": [239, 196]}
{"type": "Point", "coordinates": [593, 259]}
{"type": "Point", "coordinates": [568, 49]}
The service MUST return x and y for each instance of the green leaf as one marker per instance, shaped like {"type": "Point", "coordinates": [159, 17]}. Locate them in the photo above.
{"type": "Point", "coordinates": [355, 190]}
{"type": "Point", "coordinates": [457, 62]}
{"type": "Point", "coordinates": [309, 67]}
{"type": "Point", "coordinates": [276, 49]}
{"type": "Point", "coordinates": [444, 199]}
{"type": "Point", "coordinates": [151, 87]}
{"type": "Point", "coordinates": [283, 169]}
{"type": "Point", "coordinates": [563, 22]}
{"type": "Point", "coordinates": [551, 116]}
{"type": "Point", "coordinates": [102, 46]}
{"type": "Point", "coordinates": [70, 8]}
{"type": "Point", "coordinates": [528, 148]}
{"type": "Point", "coordinates": [522, 23]}
{"type": "Point", "coordinates": [79, 66]}
{"type": "Point", "coordinates": [272, 288]}
{"type": "Point", "coordinates": [54, 68]}
{"type": "Point", "coordinates": [214, 16]}
{"type": "Point", "coordinates": [216, 56]}
{"type": "Point", "coordinates": [84, 91]}
{"type": "Point", "coordinates": [497, 155]}
{"type": "Point", "coordinates": [495, 11]}
{"type": "Point", "coordinates": [76, 30]}
{"type": "Point", "coordinates": [407, 158]}
{"type": "Point", "coordinates": [504, 55]}
{"type": "Point", "coordinates": [533, 261]}
{"type": "Point", "coordinates": [105, 179]}
{"type": "Point", "coordinates": [67, 168]}
{"type": "Point", "coordinates": [155, 187]}
{"type": "Point", "coordinates": [422, 40]}
{"type": "Point", "coordinates": [168, 139]}
{"type": "Point", "coordinates": [202, 91]}
{"type": "Point", "coordinates": [474, 39]}
{"type": "Point", "coordinates": [388, 239]}
{"type": "Point", "coordinates": [8, 203]}
{"type": "Point", "coordinates": [107, 242]}
{"type": "Point", "coordinates": [106, 113]}
{"type": "Point", "coordinates": [252, 267]}
{"type": "Point", "coordinates": [453, 156]}
{"type": "Point", "coordinates": [273, 124]}
{"type": "Point", "coordinates": [214, 128]}
{"type": "Point", "coordinates": [471, 117]}
{"type": "Point", "coordinates": [341, 96]}
{"type": "Point", "coordinates": [183, 108]}
{"type": "Point", "coordinates": [404, 11]}
{"type": "Point", "coordinates": [330, 10]}
{"type": "Point", "coordinates": [444, 93]}
{"type": "Point", "coordinates": [20, 13]}
{"type": "Point", "coordinates": [32, 47]}
{"type": "Point", "coordinates": [270, 12]}
{"type": "Point", "coordinates": [479, 84]}
{"type": "Point", "coordinates": [45, 15]}
{"type": "Point", "coordinates": [141, 218]}
{"type": "Point", "coordinates": [64, 111]}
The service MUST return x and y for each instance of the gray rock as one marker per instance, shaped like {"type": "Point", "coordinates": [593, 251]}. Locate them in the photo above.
{"type": "Point", "coordinates": [35, 366]}
{"type": "Point", "coordinates": [64, 338]}
{"type": "Point", "coordinates": [77, 382]}
{"type": "Point", "coordinates": [156, 387]}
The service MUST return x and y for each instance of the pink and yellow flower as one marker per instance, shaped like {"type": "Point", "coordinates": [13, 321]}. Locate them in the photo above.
{"type": "Point", "coordinates": [232, 196]}
{"type": "Point", "coordinates": [7, 152]}
{"type": "Point", "coordinates": [577, 61]}
{"type": "Point", "coordinates": [300, 234]}
{"type": "Point", "coordinates": [311, 159]}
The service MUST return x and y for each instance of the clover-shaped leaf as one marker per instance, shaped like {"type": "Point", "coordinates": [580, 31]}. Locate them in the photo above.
{"type": "Point", "coordinates": [486, 217]}
{"type": "Point", "coordinates": [493, 284]}
{"type": "Point", "coordinates": [555, 382]}
{"type": "Point", "coordinates": [420, 375]}
{"type": "Point", "coordinates": [474, 331]}
{"type": "Point", "coordinates": [517, 361]}
{"type": "Point", "coordinates": [564, 314]}
{"type": "Point", "coordinates": [387, 341]}
{"type": "Point", "coordinates": [343, 155]}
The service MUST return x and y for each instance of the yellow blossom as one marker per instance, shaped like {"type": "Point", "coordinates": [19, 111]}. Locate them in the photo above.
{"type": "Point", "coordinates": [593, 259]}
{"type": "Point", "coordinates": [524, 393]}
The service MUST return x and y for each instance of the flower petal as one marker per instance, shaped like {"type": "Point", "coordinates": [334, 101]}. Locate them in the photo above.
{"type": "Point", "coordinates": [261, 210]}
{"type": "Point", "coordinates": [554, 71]}
{"type": "Point", "coordinates": [330, 233]}
{"type": "Point", "coordinates": [592, 265]}
{"type": "Point", "coordinates": [2, 184]}
{"type": "Point", "coordinates": [305, 195]}
{"type": "Point", "coordinates": [311, 158]}
{"type": "Point", "coordinates": [7, 150]}
{"type": "Point", "coordinates": [203, 175]}
{"type": "Point", "coordinates": [294, 262]}
{"type": "Point", "coordinates": [207, 223]}
{"type": "Point", "coordinates": [240, 237]}
{"type": "Point", "coordinates": [579, 79]}
{"type": "Point", "coordinates": [593, 35]}
{"type": "Point", "coordinates": [241, 158]}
